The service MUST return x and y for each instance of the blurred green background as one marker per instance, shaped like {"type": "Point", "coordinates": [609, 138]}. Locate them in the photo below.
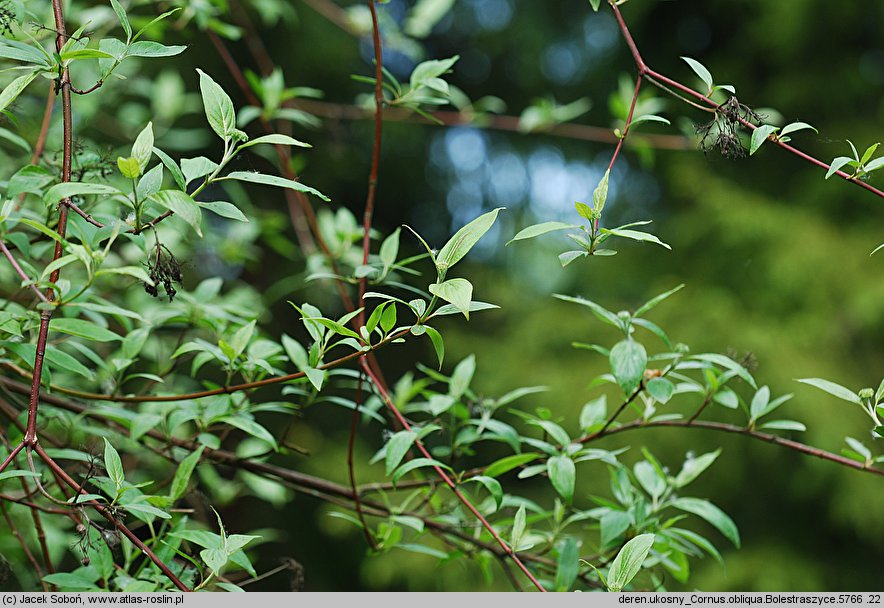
{"type": "Point", "coordinates": [775, 258]}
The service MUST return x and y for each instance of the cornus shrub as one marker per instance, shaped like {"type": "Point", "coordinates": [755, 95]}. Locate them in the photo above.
{"type": "Point", "coordinates": [155, 407]}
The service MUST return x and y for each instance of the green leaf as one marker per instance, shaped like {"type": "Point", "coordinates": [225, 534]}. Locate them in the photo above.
{"type": "Point", "coordinates": [464, 240]}
{"type": "Point", "coordinates": [215, 559]}
{"type": "Point", "coordinates": [397, 447]}
{"type": "Point", "coordinates": [712, 514]}
{"type": "Point", "coordinates": [69, 189]}
{"type": "Point", "coordinates": [462, 376]}
{"type": "Point", "coordinates": [567, 564]}
{"type": "Point", "coordinates": [519, 522]}
{"type": "Point", "coordinates": [759, 136]}
{"type": "Point", "coordinates": [390, 249]}
{"type": "Point", "coordinates": [224, 209]}
{"type": "Point", "coordinates": [647, 118]}
{"type": "Point", "coordinates": [563, 475]}
{"type": "Point", "coordinates": [458, 292]}
{"type": "Point", "coordinates": [173, 168]}
{"type": "Point", "coordinates": [595, 4]}
{"type": "Point", "coordinates": [416, 463]}
{"type": "Point", "coordinates": [593, 412]}
{"type": "Point", "coordinates": [315, 376]}
{"type": "Point", "coordinates": [701, 71]}
{"type": "Point", "coordinates": [73, 581]}
{"type": "Point", "coordinates": [273, 180]}
{"type": "Point", "coordinates": [194, 168]}
{"type": "Point", "coordinates": [660, 389]}
{"type": "Point", "coordinates": [218, 107]}
{"type": "Point", "coordinates": [13, 474]}
{"type": "Point", "coordinates": [600, 194]}
{"type": "Point", "coordinates": [113, 465]}
{"type": "Point", "coordinates": [836, 164]}
{"type": "Point", "coordinates": [14, 89]}
{"type": "Point", "coordinates": [783, 425]}
{"type": "Point", "coordinates": [508, 463]}
{"type": "Point", "coordinates": [694, 467]}
{"type": "Point", "coordinates": [492, 485]}
{"type": "Point", "coordinates": [241, 338]}
{"type": "Point", "coordinates": [84, 329]}
{"type": "Point", "coordinates": [729, 364]}
{"type": "Point", "coordinates": [128, 167]}
{"type": "Point", "coordinates": [155, 49]}
{"type": "Point", "coordinates": [537, 229]}
{"type": "Point", "coordinates": [649, 478]}
{"type": "Point", "coordinates": [252, 428]}
{"type": "Point", "coordinates": [600, 312]}
{"type": "Point", "coordinates": [796, 126]}
{"type": "Point", "coordinates": [612, 525]}
{"type": "Point", "coordinates": [569, 256]}
{"type": "Point", "coordinates": [142, 149]}
{"type": "Point", "coordinates": [629, 561]}
{"type": "Point", "coordinates": [124, 19]}
{"type": "Point", "coordinates": [438, 343]}
{"type": "Point", "coordinates": [295, 352]}
{"type": "Point", "coordinates": [182, 204]}
{"type": "Point", "coordinates": [277, 139]}
{"type": "Point", "coordinates": [635, 235]}
{"type": "Point", "coordinates": [833, 389]}
{"type": "Point", "coordinates": [628, 361]}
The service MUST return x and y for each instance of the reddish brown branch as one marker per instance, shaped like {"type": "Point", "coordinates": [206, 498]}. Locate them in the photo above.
{"type": "Point", "coordinates": [21, 273]}
{"type": "Point", "coordinates": [448, 481]}
{"type": "Point", "coordinates": [730, 428]}
{"type": "Point", "coordinates": [659, 80]}
{"type": "Point", "coordinates": [108, 515]}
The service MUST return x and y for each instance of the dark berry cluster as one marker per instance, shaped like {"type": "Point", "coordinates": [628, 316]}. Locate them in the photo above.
{"type": "Point", "coordinates": [163, 269]}
{"type": "Point", "coordinates": [7, 18]}
{"type": "Point", "coordinates": [723, 131]}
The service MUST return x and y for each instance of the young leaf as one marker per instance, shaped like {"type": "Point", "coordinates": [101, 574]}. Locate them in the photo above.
{"type": "Point", "coordinates": [796, 126]}
{"type": "Point", "coordinates": [124, 19]}
{"type": "Point", "coordinates": [182, 204]}
{"type": "Point", "coordinates": [277, 139]}
{"type": "Point", "coordinates": [142, 149]}
{"type": "Point", "coordinates": [655, 300]}
{"type": "Point", "coordinates": [628, 361]}
{"type": "Point", "coordinates": [508, 463]}
{"type": "Point", "coordinates": [218, 107]}
{"type": "Point", "coordinates": [701, 71]}
{"type": "Point", "coordinates": [833, 389]}
{"type": "Point", "coordinates": [464, 240]}
{"type": "Point", "coordinates": [629, 561]}
{"type": "Point", "coordinates": [600, 194]}
{"type": "Point", "coordinates": [519, 522]}
{"type": "Point", "coordinates": [458, 292]}
{"type": "Point", "coordinates": [567, 564]}
{"type": "Point", "coordinates": [759, 136]}
{"type": "Point", "coordinates": [438, 343]}
{"type": "Point", "coordinates": [562, 474]}
{"type": "Point", "coordinates": [537, 229]}
{"type": "Point", "coordinates": [635, 235]}
{"type": "Point", "coordinates": [693, 467]}
{"type": "Point", "coordinates": [712, 514]}
{"type": "Point", "coordinates": [183, 473]}
{"type": "Point", "coordinates": [397, 447]}
{"type": "Point", "coordinates": [84, 329]}
{"type": "Point", "coordinates": [113, 465]}
{"type": "Point", "coordinates": [14, 89]}
{"type": "Point", "coordinates": [273, 180]}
